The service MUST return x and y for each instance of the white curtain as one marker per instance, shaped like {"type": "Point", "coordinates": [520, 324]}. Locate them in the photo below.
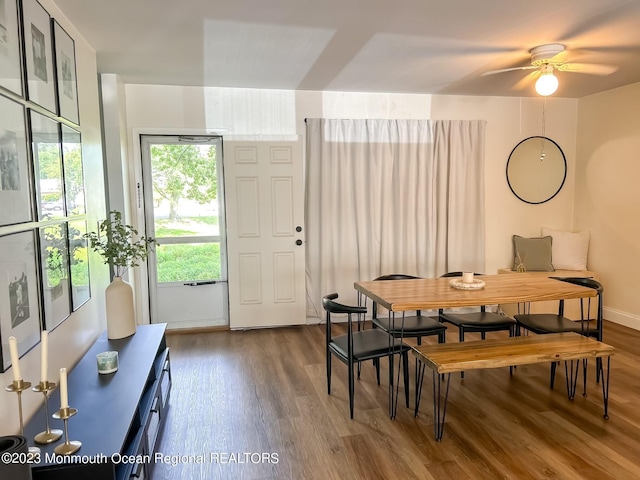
{"type": "Point", "coordinates": [391, 196]}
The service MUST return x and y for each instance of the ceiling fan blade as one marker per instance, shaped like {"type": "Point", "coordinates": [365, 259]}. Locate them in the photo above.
{"type": "Point", "coordinates": [526, 81]}
{"type": "Point", "coordinates": [513, 69]}
{"type": "Point", "coordinates": [588, 68]}
{"type": "Point", "coordinates": [560, 57]}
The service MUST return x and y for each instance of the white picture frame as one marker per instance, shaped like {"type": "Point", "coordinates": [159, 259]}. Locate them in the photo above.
{"type": "Point", "coordinates": [10, 58]}
{"type": "Point", "coordinates": [19, 294]}
{"type": "Point", "coordinates": [47, 161]}
{"type": "Point", "coordinates": [15, 184]}
{"type": "Point", "coordinates": [67, 84]}
{"type": "Point", "coordinates": [56, 284]}
{"type": "Point", "coordinates": [41, 87]}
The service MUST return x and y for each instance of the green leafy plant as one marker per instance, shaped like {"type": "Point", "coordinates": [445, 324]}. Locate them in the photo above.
{"type": "Point", "coordinates": [119, 244]}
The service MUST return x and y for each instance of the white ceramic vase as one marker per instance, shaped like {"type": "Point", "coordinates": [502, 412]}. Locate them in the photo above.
{"type": "Point", "coordinates": [121, 318]}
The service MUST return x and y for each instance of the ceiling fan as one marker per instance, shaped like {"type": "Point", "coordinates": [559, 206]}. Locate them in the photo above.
{"type": "Point", "coordinates": [545, 59]}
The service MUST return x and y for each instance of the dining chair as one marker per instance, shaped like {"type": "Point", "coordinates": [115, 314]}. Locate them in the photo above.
{"type": "Point", "coordinates": [542, 323]}
{"type": "Point", "coordinates": [409, 326]}
{"type": "Point", "coordinates": [360, 345]}
{"type": "Point", "coordinates": [477, 322]}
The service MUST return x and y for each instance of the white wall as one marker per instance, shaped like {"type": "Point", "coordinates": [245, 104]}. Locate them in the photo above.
{"type": "Point", "coordinates": [510, 120]}
{"type": "Point", "coordinates": [605, 127]}
{"type": "Point", "coordinates": [238, 112]}
{"type": "Point", "coordinates": [74, 336]}
{"type": "Point", "coordinates": [608, 195]}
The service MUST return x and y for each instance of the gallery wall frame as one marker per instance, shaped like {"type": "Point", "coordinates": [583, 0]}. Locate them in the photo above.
{"type": "Point", "coordinates": [73, 171]}
{"type": "Point", "coordinates": [56, 285]}
{"type": "Point", "coordinates": [79, 260]}
{"type": "Point", "coordinates": [67, 85]}
{"type": "Point", "coordinates": [44, 264]}
{"type": "Point", "coordinates": [38, 52]}
{"type": "Point", "coordinates": [47, 160]}
{"type": "Point", "coordinates": [10, 47]}
{"type": "Point", "coordinates": [19, 294]}
{"type": "Point", "coordinates": [15, 172]}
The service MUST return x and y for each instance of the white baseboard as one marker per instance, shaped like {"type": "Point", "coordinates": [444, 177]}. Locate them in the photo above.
{"type": "Point", "coordinates": [621, 318]}
{"type": "Point", "coordinates": [197, 323]}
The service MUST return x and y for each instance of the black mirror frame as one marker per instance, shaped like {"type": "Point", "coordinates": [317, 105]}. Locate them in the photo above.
{"type": "Point", "coordinates": [564, 178]}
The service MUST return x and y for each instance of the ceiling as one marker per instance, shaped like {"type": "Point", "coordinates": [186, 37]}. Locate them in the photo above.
{"type": "Point", "coordinates": [400, 46]}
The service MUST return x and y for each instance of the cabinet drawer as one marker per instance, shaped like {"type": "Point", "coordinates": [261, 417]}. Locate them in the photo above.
{"type": "Point", "coordinates": [153, 425]}
{"type": "Point", "coordinates": [139, 470]}
{"type": "Point", "coordinates": [165, 382]}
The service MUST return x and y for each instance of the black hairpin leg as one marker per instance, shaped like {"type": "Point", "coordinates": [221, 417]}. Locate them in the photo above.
{"type": "Point", "coordinates": [571, 374]}
{"type": "Point", "coordinates": [392, 409]}
{"type": "Point", "coordinates": [402, 360]}
{"type": "Point", "coordinates": [419, 382]}
{"type": "Point", "coordinates": [605, 384]}
{"type": "Point", "coordinates": [394, 398]}
{"type": "Point", "coordinates": [439, 406]}
{"type": "Point", "coordinates": [391, 396]}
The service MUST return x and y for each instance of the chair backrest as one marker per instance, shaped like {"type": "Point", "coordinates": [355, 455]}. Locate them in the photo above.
{"type": "Point", "coordinates": [589, 283]}
{"type": "Point", "coordinates": [331, 306]}
{"type": "Point", "coordinates": [457, 274]}
{"type": "Point", "coordinates": [392, 276]}
{"type": "Point", "coordinates": [584, 281]}
{"type": "Point", "coordinates": [396, 276]}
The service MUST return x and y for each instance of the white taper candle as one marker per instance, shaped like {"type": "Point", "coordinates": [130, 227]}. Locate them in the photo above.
{"type": "Point", "coordinates": [13, 351]}
{"type": "Point", "coordinates": [44, 354]}
{"type": "Point", "coordinates": [64, 395]}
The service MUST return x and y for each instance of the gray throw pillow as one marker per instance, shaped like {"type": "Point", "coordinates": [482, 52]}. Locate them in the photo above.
{"type": "Point", "coordinates": [532, 254]}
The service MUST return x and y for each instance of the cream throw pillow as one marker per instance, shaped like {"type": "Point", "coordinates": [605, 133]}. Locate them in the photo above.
{"type": "Point", "coordinates": [569, 250]}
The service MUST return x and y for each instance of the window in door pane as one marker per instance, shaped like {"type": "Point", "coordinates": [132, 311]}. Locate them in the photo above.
{"type": "Point", "coordinates": [188, 262]}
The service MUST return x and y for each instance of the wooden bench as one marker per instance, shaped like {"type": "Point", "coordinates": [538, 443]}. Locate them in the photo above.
{"type": "Point", "coordinates": [448, 358]}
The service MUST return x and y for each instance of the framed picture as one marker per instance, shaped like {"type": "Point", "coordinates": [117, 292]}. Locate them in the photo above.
{"type": "Point", "coordinates": [10, 63]}
{"type": "Point", "coordinates": [15, 187]}
{"type": "Point", "coordinates": [19, 304]}
{"type": "Point", "coordinates": [73, 171]}
{"type": "Point", "coordinates": [65, 49]}
{"type": "Point", "coordinates": [79, 258]}
{"type": "Point", "coordinates": [45, 145]}
{"type": "Point", "coordinates": [41, 87]}
{"type": "Point", "coordinates": [54, 258]}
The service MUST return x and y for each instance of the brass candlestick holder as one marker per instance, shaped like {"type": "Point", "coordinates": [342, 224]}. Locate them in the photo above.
{"type": "Point", "coordinates": [49, 435]}
{"type": "Point", "coordinates": [68, 447]}
{"type": "Point", "coordinates": [19, 386]}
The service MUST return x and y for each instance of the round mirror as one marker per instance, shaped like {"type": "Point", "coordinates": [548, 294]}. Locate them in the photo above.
{"type": "Point", "coordinates": [536, 170]}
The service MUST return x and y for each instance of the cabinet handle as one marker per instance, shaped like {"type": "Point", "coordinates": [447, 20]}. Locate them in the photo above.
{"type": "Point", "coordinates": [154, 407]}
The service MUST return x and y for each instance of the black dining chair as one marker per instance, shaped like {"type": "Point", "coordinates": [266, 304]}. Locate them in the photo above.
{"type": "Point", "coordinates": [359, 346]}
{"type": "Point", "coordinates": [478, 322]}
{"type": "Point", "coordinates": [409, 326]}
{"type": "Point", "coordinates": [542, 323]}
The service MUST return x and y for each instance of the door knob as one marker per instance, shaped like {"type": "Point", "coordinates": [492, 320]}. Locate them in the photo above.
{"type": "Point", "coordinates": [298, 242]}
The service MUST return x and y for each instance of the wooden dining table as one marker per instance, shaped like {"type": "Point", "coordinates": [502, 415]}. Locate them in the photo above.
{"type": "Point", "coordinates": [438, 293]}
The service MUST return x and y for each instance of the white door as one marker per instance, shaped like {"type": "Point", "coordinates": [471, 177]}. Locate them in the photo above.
{"type": "Point", "coordinates": [265, 233]}
{"type": "Point", "coordinates": [183, 192]}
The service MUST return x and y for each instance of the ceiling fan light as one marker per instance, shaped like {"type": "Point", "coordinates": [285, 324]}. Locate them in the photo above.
{"type": "Point", "coordinates": [547, 84]}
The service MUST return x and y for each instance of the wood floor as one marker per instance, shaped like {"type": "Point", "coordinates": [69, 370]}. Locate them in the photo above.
{"type": "Point", "coordinates": [239, 398]}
